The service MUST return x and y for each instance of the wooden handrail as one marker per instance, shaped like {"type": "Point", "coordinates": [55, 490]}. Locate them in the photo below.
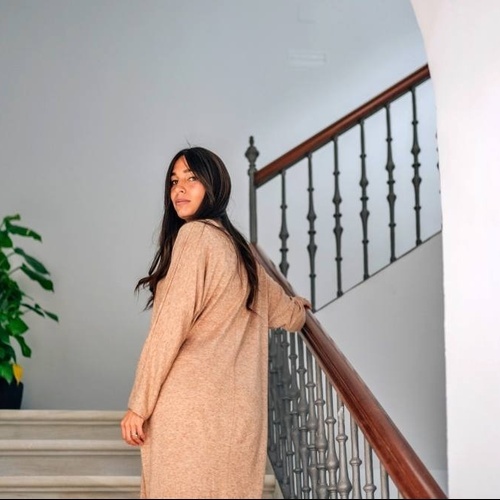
{"type": "Point", "coordinates": [340, 126]}
{"type": "Point", "coordinates": [405, 468]}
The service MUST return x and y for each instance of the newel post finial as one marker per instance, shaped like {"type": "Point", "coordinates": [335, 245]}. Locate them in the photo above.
{"type": "Point", "coordinates": [251, 154]}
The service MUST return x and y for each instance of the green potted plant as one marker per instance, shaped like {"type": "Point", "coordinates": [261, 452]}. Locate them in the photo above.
{"type": "Point", "coordinates": [14, 304]}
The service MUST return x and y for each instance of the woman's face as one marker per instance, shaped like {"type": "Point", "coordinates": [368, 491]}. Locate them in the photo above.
{"type": "Point", "coordinates": [186, 191]}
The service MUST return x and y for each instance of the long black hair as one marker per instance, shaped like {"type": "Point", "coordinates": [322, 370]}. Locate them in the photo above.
{"type": "Point", "coordinates": [212, 173]}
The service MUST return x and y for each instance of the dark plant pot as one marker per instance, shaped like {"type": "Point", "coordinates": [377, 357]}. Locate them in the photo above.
{"type": "Point", "coordinates": [11, 395]}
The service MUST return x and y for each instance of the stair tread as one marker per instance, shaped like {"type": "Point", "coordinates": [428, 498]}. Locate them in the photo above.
{"type": "Point", "coordinates": [69, 480]}
{"type": "Point", "coordinates": [56, 417]}
{"type": "Point", "coordinates": [66, 444]}
{"type": "Point", "coordinates": [80, 480]}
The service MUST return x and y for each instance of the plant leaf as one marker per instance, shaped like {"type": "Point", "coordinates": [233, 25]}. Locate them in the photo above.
{"type": "Point", "coordinates": [37, 309]}
{"type": "Point", "coordinates": [5, 241]}
{"type": "Point", "coordinates": [25, 349]}
{"type": "Point", "coordinates": [17, 326]}
{"type": "Point", "coordinates": [4, 340]}
{"type": "Point", "coordinates": [7, 351]}
{"type": "Point", "coordinates": [17, 370]}
{"type": "Point", "coordinates": [44, 282]}
{"type": "Point", "coordinates": [35, 264]}
{"type": "Point", "coordinates": [4, 262]}
{"type": "Point", "coordinates": [6, 371]}
{"type": "Point", "coordinates": [7, 219]}
{"type": "Point", "coordinates": [40, 311]}
{"type": "Point", "coordinates": [51, 315]}
{"type": "Point", "coordinates": [22, 231]}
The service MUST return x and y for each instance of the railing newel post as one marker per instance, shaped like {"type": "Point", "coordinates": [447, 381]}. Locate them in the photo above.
{"type": "Point", "coordinates": [251, 154]}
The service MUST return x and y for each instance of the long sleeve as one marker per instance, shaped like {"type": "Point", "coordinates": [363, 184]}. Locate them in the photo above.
{"type": "Point", "coordinates": [284, 311]}
{"type": "Point", "coordinates": [177, 303]}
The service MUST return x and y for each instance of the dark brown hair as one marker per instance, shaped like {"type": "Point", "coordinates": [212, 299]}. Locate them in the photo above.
{"type": "Point", "coordinates": [212, 173]}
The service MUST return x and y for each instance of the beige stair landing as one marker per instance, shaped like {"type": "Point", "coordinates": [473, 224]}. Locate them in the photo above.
{"type": "Point", "coordinates": [72, 454]}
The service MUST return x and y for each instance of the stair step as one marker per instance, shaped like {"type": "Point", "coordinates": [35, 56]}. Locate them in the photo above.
{"type": "Point", "coordinates": [86, 487]}
{"type": "Point", "coordinates": [69, 486]}
{"type": "Point", "coordinates": [68, 456]}
{"type": "Point", "coordinates": [60, 424]}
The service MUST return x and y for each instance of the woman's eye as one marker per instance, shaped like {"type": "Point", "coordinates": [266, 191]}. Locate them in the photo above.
{"type": "Point", "coordinates": [173, 182]}
{"type": "Point", "coordinates": [193, 178]}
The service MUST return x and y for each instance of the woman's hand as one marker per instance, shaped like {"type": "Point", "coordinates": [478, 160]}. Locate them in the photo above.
{"type": "Point", "coordinates": [132, 431]}
{"type": "Point", "coordinates": [305, 302]}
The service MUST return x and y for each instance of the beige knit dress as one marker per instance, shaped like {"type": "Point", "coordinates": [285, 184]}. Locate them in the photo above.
{"type": "Point", "coordinates": [201, 381]}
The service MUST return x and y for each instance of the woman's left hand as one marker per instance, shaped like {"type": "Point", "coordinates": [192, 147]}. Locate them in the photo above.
{"type": "Point", "coordinates": [132, 429]}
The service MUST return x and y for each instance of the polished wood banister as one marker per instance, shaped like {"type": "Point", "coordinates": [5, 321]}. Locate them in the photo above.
{"type": "Point", "coordinates": [403, 465]}
{"type": "Point", "coordinates": [350, 120]}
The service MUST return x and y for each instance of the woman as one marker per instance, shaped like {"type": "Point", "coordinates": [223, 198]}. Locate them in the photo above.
{"type": "Point", "coordinates": [198, 406]}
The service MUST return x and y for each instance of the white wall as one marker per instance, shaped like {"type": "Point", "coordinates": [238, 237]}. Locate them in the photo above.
{"type": "Point", "coordinates": [97, 96]}
{"type": "Point", "coordinates": [462, 41]}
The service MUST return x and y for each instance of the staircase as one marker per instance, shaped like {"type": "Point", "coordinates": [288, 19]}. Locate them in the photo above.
{"type": "Point", "coordinates": [72, 454]}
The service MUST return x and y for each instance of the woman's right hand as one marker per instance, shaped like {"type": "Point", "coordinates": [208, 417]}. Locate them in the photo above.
{"type": "Point", "coordinates": [305, 302]}
{"type": "Point", "coordinates": [132, 429]}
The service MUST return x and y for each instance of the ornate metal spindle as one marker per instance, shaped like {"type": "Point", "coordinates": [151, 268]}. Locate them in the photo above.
{"type": "Point", "coordinates": [416, 180]}
{"type": "Point", "coordinates": [284, 230]}
{"type": "Point", "coordinates": [302, 407]}
{"type": "Point", "coordinates": [311, 217]}
{"type": "Point", "coordinates": [332, 461]}
{"type": "Point", "coordinates": [294, 394]}
{"type": "Point", "coordinates": [274, 391]}
{"type": "Point", "coordinates": [321, 441]}
{"type": "Point", "coordinates": [251, 154]}
{"type": "Point", "coordinates": [369, 486]}
{"type": "Point", "coordinates": [271, 437]}
{"type": "Point", "coordinates": [344, 483]}
{"type": "Point", "coordinates": [384, 483]}
{"type": "Point", "coordinates": [355, 460]}
{"type": "Point", "coordinates": [391, 197]}
{"type": "Point", "coordinates": [287, 417]}
{"type": "Point", "coordinates": [337, 200]}
{"type": "Point", "coordinates": [364, 201]}
{"type": "Point", "coordinates": [279, 404]}
{"type": "Point", "coordinates": [312, 426]}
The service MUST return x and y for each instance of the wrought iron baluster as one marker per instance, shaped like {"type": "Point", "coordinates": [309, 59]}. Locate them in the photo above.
{"type": "Point", "coordinates": [302, 407]}
{"type": "Point", "coordinates": [337, 231]}
{"type": "Point", "coordinates": [321, 441]}
{"type": "Point", "coordinates": [332, 461]}
{"type": "Point", "coordinates": [280, 407]}
{"type": "Point", "coordinates": [344, 483]}
{"type": "Point", "coordinates": [251, 154]}
{"type": "Point", "coordinates": [287, 417]}
{"type": "Point", "coordinates": [271, 438]}
{"type": "Point", "coordinates": [355, 460]}
{"type": "Point", "coordinates": [364, 214]}
{"type": "Point", "coordinates": [294, 411]}
{"type": "Point", "coordinates": [384, 483]}
{"type": "Point", "coordinates": [369, 486]}
{"type": "Point", "coordinates": [391, 197]}
{"type": "Point", "coordinates": [311, 247]}
{"type": "Point", "coordinates": [284, 229]}
{"type": "Point", "coordinates": [417, 180]}
{"type": "Point", "coordinates": [312, 426]}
